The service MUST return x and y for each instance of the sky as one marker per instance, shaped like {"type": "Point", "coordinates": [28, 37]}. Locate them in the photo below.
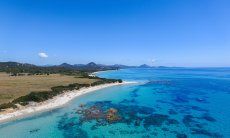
{"type": "Point", "coordinates": [189, 33]}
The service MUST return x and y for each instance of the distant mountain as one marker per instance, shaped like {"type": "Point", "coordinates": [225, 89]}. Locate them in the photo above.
{"type": "Point", "coordinates": [123, 66]}
{"type": "Point", "coordinates": [91, 64]}
{"type": "Point", "coordinates": [90, 67]}
{"type": "Point", "coordinates": [14, 64]}
{"type": "Point", "coordinates": [47, 65]}
{"type": "Point", "coordinates": [16, 68]}
{"type": "Point", "coordinates": [7, 66]}
{"type": "Point", "coordinates": [144, 66]}
{"type": "Point", "coordinates": [162, 67]}
{"type": "Point", "coordinates": [65, 65]}
{"type": "Point", "coordinates": [78, 65]}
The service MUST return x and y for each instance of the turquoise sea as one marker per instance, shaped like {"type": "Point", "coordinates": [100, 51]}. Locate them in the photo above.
{"type": "Point", "coordinates": [168, 102]}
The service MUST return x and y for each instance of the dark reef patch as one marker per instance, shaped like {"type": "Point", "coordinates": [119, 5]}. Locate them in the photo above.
{"type": "Point", "coordinates": [155, 120]}
{"type": "Point", "coordinates": [134, 93]}
{"type": "Point", "coordinates": [189, 121]}
{"type": "Point", "coordinates": [165, 129]}
{"type": "Point", "coordinates": [181, 136]}
{"type": "Point", "coordinates": [172, 112]}
{"type": "Point", "coordinates": [105, 113]}
{"type": "Point", "coordinates": [183, 108]}
{"type": "Point", "coordinates": [196, 108]}
{"type": "Point", "coordinates": [126, 101]}
{"type": "Point", "coordinates": [172, 122]}
{"type": "Point", "coordinates": [207, 117]}
{"type": "Point", "coordinates": [34, 130]}
{"type": "Point", "coordinates": [181, 99]}
{"type": "Point", "coordinates": [206, 133]}
{"type": "Point", "coordinates": [71, 127]}
{"type": "Point", "coordinates": [198, 127]}
{"type": "Point", "coordinates": [158, 82]}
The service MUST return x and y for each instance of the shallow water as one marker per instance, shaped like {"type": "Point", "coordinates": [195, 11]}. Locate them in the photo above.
{"type": "Point", "coordinates": [166, 103]}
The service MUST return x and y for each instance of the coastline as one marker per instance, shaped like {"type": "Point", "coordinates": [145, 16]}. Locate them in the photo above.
{"type": "Point", "coordinates": [95, 73]}
{"type": "Point", "coordinates": [55, 102]}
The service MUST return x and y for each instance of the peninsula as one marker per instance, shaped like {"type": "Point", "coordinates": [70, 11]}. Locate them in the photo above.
{"type": "Point", "coordinates": [27, 88]}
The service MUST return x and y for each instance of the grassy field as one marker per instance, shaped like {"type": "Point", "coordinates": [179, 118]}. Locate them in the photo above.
{"type": "Point", "coordinates": [14, 87]}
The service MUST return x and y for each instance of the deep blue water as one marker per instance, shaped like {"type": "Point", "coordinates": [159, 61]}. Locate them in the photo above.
{"type": "Point", "coordinates": [178, 102]}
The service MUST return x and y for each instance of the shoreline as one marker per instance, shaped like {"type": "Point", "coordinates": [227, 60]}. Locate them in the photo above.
{"type": "Point", "coordinates": [55, 102]}
{"type": "Point", "coordinates": [95, 73]}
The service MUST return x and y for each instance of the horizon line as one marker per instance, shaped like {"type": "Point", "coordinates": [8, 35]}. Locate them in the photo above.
{"type": "Point", "coordinates": [119, 64]}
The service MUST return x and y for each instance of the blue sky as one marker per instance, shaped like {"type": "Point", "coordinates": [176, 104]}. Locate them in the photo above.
{"type": "Point", "coordinates": [157, 32]}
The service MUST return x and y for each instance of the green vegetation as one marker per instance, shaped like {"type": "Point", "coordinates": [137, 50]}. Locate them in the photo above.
{"type": "Point", "coordinates": [20, 69]}
{"type": "Point", "coordinates": [104, 81]}
{"type": "Point", "coordinates": [7, 105]}
{"type": "Point", "coordinates": [45, 95]}
{"type": "Point", "coordinates": [44, 83]}
{"type": "Point", "coordinates": [13, 87]}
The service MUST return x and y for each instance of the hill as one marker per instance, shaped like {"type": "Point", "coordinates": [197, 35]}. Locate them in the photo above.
{"type": "Point", "coordinates": [17, 69]}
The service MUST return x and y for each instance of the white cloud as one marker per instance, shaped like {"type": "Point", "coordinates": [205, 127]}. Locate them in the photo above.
{"type": "Point", "coordinates": [153, 60]}
{"type": "Point", "coordinates": [42, 55]}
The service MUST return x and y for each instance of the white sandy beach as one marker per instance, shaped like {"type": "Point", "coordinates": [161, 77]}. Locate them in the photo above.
{"type": "Point", "coordinates": [53, 103]}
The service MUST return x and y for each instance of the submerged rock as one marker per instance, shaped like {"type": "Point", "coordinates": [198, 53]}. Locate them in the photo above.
{"type": "Point", "coordinates": [172, 112]}
{"type": "Point", "coordinates": [155, 120]}
{"type": "Point", "coordinates": [206, 133]}
{"type": "Point", "coordinates": [207, 117]}
{"type": "Point", "coordinates": [181, 136]}
{"type": "Point", "coordinates": [112, 115]}
{"type": "Point", "coordinates": [181, 99]}
{"type": "Point", "coordinates": [172, 122]}
{"type": "Point", "coordinates": [104, 113]}
{"type": "Point", "coordinates": [165, 129]}
{"type": "Point", "coordinates": [189, 121]}
{"type": "Point", "coordinates": [34, 130]}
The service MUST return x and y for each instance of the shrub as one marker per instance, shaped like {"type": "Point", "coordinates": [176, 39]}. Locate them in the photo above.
{"type": "Point", "coordinates": [7, 105]}
{"type": "Point", "coordinates": [45, 95]}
